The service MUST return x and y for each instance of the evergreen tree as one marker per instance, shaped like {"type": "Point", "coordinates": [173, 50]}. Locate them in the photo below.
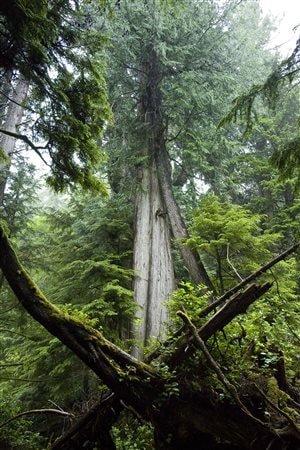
{"type": "Point", "coordinates": [170, 76]}
{"type": "Point", "coordinates": [48, 44]}
{"type": "Point", "coordinates": [224, 380]}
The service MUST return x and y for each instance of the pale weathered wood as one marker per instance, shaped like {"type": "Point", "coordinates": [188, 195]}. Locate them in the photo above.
{"type": "Point", "coordinates": [13, 117]}
{"type": "Point", "coordinates": [154, 279]}
{"type": "Point", "coordinates": [190, 256]}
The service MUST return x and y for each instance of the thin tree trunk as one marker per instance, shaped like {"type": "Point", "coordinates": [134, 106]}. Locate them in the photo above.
{"type": "Point", "coordinates": [13, 119]}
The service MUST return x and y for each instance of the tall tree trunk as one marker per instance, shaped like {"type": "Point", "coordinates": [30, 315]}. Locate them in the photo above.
{"type": "Point", "coordinates": [191, 258]}
{"type": "Point", "coordinates": [12, 120]}
{"type": "Point", "coordinates": [157, 214]}
{"type": "Point", "coordinates": [153, 265]}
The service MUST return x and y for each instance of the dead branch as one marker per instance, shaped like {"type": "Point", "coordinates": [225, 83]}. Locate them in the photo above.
{"type": "Point", "coordinates": [230, 388]}
{"type": "Point", "coordinates": [37, 411]}
{"type": "Point", "coordinates": [227, 295]}
{"type": "Point", "coordinates": [237, 305]}
{"type": "Point", "coordinates": [95, 424]}
{"type": "Point", "coordinates": [27, 141]}
{"type": "Point", "coordinates": [248, 279]}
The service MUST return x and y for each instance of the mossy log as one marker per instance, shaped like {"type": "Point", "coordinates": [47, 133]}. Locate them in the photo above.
{"type": "Point", "coordinates": [191, 418]}
{"type": "Point", "coordinates": [135, 382]}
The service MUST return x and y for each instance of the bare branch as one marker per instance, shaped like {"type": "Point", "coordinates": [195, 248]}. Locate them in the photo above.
{"type": "Point", "coordinates": [248, 279]}
{"type": "Point", "coordinates": [230, 388]}
{"type": "Point", "coordinates": [37, 411]}
{"type": "Point", "coordinates": [27, 141]}
{"type": "Point", "coordinates": [15, 102]}
{"type": "Point", "coordinates": [237, 305]}
{"type": "Point", "coordinates": [231, 265]}
{"type": "Point", "coordinates": [100, 417]}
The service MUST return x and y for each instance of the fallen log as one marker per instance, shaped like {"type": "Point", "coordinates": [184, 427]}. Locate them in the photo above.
{"type": "Point", "coordinates": [182, 419]}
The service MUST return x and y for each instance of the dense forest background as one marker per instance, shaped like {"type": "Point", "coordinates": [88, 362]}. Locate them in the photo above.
{"type": "Point", "coordinates": [168, 149]}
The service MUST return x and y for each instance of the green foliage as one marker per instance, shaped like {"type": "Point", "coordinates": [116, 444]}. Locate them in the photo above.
{"type": "Point", "coordinates": [80, 254]}
{"type": "Point", "coordinates": [16, 435]}
{"type": "Point", "coordinates": [3, 157]}
{"type": "Point", "coordinates": [249, 344]}
{"type": "Point", "coordinates": [253, 182]}
{"type": "Point", "coordinates": [132, 435]}
{"type": "Point", "coordinates": [287, 159]}
{"type": "Point", "coordinates": [247, 347]}
{"type": "Point", "coordinates": [284, 74]}
{"type": "Point", "coordinates": [231, 239]}
{"type": "Point", "coordinates": [81, 250]}
{"type": "Point", "coordinates": [51, 46]}
{"type": "Point", "coordinates": [197, 61]}
{"type": "Point", "coordinates": [19, 201]}
{"type": "Point", "coordinates": [273, 92]}
{"type": "Point", "coordinates": [192, 298]}
{"type": "Point", "coordinates": [88, 256]}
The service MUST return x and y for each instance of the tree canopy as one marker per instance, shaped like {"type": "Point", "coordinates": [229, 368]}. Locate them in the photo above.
{"type": "Point", "coordinates": [49, 44]}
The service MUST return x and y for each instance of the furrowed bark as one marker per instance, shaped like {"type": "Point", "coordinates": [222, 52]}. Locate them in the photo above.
{"type": "Point", "coordinates": [191, 258]}
{"type": "Point", "coordinates": [154, 275]}
{"type": "Point", "coordinates": [156, 213]}
{"type": "Point", "coordinates": [140, 382]}
{"type": "Point", "coordinates": [152, 262]}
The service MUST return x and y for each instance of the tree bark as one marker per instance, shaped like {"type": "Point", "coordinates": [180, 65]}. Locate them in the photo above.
{"type": "Point", "coordinates": [154, 275]}
{"type": "Point", "coordinates": [13, 117]}
{"type": "Point", "coordinates": [156, 213]}
{"type": "Point", "coordinates": [152, 262]}
{"type": "Point", "coordinates": [191, 258]}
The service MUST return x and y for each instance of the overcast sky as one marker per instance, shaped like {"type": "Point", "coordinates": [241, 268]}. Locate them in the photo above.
{"type": "Point", "coordinates": [287, 13]}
